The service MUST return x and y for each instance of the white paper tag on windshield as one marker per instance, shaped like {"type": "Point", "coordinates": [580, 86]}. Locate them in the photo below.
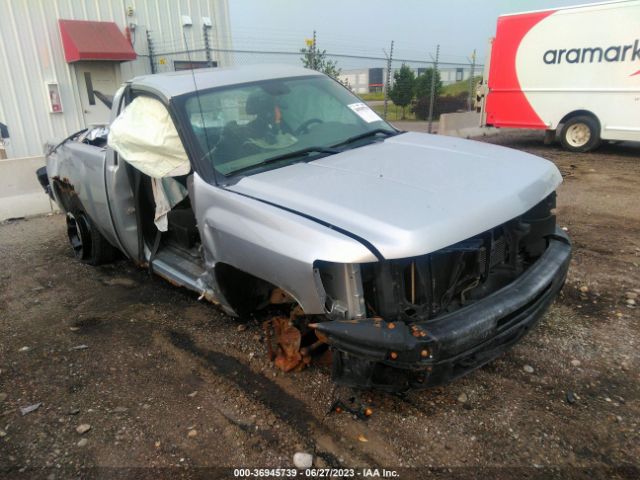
{"type": "Point", "coordinates": [364, 112]}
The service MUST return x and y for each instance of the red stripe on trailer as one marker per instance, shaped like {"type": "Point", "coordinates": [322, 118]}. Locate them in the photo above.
{"type": "Point", "coordinates": [507, 105]}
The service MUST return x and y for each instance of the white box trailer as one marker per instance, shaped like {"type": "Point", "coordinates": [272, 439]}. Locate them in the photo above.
{"type": "Point", "coordinates": [575, 71]}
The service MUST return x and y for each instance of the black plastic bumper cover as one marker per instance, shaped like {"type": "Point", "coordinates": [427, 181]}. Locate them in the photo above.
{"type": "Point", "coordinates": [438, 350]}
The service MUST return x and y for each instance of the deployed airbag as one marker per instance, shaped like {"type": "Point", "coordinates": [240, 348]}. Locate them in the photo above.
{"type": "Point", "coordinates": [144, 135]}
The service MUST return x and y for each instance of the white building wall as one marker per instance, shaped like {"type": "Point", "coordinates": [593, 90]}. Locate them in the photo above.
{"type": "Point", "coordinates": [358, 80]}
{"type": "Point", "coordinates": [31, 54]}
{"type": "Point", "coordinates": [448, 74]}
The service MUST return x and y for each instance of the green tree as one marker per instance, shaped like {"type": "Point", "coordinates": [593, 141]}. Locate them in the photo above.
{"type": "Point", "coordinates": [423, 84]}
{"type": "Point", "coordinates": [316, 59]}
{"type": "Point", "coordinates": [403, 84]}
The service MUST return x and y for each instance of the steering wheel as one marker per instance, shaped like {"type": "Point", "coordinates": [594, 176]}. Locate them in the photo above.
{"type": "Point", "coordinates": [304, 128]}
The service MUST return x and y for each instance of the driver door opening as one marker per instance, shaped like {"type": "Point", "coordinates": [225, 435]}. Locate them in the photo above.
{"type": "Point", "coordinates": [160, 175]}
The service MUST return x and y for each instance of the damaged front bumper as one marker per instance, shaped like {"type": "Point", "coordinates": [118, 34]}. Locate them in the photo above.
{"type": "Point", "coordinates": [398, 356]}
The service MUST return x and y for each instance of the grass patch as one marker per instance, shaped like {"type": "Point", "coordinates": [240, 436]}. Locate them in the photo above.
{"type": "Point", "coordinates": [372, 96]}
{"type": "Point", "coordinates": [457, 88]}
{"type": "Point", "coordinates": [394, 113]}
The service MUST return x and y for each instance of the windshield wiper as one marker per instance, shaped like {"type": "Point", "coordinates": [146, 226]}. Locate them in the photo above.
{"type": "Point", "coordinates": [285, 156]}
{"type": "Point", "coordinates": [370, 133]}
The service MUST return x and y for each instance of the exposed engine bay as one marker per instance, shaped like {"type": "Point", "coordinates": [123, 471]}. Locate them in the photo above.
{"type": "Point", "coordinates": [408, 294]}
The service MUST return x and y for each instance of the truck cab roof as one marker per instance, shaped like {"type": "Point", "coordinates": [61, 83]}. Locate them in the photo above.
{"type": "Point", "coordinates": [173, 84]}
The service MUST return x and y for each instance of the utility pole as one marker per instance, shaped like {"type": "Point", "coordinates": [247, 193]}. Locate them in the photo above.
{"type": "Point", "coordinates": [314, 59]}
{"type": "Point", "coordinates": [471, 82]}
{"type": "Point", "coordinates": [387, 81]}
{"type": "Point", "coordinates": [432, 94]}
{"type": "Point", "coordinates": [152, 63]}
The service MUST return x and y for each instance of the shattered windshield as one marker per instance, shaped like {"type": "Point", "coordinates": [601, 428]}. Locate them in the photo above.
{"type": "Point", "coordinates": [244, 128]}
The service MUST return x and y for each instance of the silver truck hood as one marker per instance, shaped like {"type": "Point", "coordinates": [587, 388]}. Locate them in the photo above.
{"type": "Point", "coordinates": [413, 193]}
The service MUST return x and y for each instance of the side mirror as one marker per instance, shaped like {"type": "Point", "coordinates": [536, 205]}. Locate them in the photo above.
{"type": "Point", "coordinates": [4, 131]}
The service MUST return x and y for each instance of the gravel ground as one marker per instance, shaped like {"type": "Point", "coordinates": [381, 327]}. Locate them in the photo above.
{"type": "Point", "coordinates": [170, 387]}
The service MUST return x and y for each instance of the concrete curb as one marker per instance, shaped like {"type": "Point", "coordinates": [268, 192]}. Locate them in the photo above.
{"type": "Point", "coordinates": [20, 192]}
{"type": "Point", "coordinates": [463, 124]}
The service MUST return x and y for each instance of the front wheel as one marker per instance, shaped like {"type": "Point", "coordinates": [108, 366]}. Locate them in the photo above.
{"type": "Point", "coordinates": [580, 134]}
{"type": "Point", "coordinates": [89, 246]}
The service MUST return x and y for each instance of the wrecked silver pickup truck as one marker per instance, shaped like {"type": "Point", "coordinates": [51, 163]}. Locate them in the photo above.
{"type": "Point", "coordinates": [410, 259]}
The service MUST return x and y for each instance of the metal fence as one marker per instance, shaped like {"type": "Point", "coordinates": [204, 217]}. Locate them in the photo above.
{"type": "Point", "coordinates": [362, 73]}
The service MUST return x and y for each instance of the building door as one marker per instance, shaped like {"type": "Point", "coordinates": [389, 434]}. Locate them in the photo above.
{"type": "Point", "coordinates": [96, 79]}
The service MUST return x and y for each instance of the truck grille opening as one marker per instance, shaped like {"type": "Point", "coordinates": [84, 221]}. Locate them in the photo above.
{"type": "Point", "coordinates": [443, 281]}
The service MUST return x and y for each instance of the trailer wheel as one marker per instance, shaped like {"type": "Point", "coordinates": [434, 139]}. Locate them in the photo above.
{"type": "Point", "coordinates": [89, 246]}
{"type": "Point", "coordinates": [580, 134]}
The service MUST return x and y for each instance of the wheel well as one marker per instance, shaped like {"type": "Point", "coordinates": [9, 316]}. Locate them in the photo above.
{"type": "Point", "coordinates": [577, 113]}
{"type": "Point", "coordinates": [244, 292]}
{"type": "Point", "coordinates": [66, 195]}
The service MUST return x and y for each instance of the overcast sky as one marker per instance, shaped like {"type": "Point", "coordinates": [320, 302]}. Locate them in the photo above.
{"type": "Point", "coordinates": [368, 26]}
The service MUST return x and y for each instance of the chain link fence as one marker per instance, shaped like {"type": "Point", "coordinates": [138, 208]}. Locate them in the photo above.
{"type": "Point", "coordinates": [371, 76]}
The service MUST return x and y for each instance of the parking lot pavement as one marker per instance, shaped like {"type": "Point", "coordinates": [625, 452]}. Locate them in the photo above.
{"type": "Point", "coordinates": [125, 370]}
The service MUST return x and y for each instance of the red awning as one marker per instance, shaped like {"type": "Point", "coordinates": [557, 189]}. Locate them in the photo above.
{"type": "Point", "coordinates": [87, 40]}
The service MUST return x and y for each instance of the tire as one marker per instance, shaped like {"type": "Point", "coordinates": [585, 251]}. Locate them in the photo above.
{"type": "Point", "coordinates": [87, 243]}
{"type": "Point", "coordinates": [580, 134]}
